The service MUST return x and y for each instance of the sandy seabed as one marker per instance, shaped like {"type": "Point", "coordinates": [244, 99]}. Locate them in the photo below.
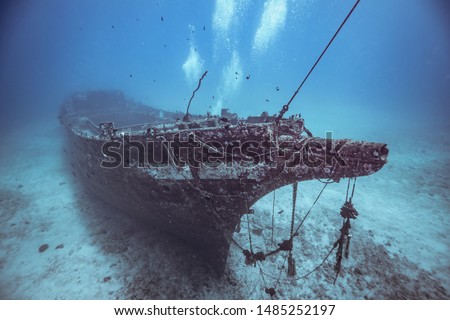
{"type": "Point", "coordinates": [400, 242]}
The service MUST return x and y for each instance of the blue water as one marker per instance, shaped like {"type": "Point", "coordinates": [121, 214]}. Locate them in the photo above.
{"type": "Point", "coordinates": [391, 59]}
{"type": "Point", "coordinates": [386, 78]}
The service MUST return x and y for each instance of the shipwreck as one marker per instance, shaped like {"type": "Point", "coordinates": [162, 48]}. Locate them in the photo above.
{"type": "Point", "coordinates": [196, 178]}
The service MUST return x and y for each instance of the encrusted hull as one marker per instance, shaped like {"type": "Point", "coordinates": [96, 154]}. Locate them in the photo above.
{"type": "Point", "coordinates": [194, 196]}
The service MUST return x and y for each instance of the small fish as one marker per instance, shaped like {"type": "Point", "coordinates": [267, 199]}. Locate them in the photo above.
{"type": "Point", "coordinates": [247, 77]}
{"type": "Point", "coordinates": [277, 88]}
{"type": "Point", "coordinates": [131, 76]}
{"type": "Point", "coordinates": [162, 18]}
{"type": "Point", "coordinates": [267, 100]}
{"type": "Point", "coordinates": [204, 28]}
{"type": "Point", "coordinates": [280, 212]}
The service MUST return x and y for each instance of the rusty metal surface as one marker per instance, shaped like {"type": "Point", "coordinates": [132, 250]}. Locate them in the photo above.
{"type": "Point", "coordinates": [196, 179]}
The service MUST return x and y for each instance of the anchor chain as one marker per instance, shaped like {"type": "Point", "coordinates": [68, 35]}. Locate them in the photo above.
{"type": "Point", "coordinates": [291, 261]}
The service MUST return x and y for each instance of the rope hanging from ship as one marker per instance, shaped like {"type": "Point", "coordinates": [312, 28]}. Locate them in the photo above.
{"type": "Point", "coordinates": [347, 211]}
{"type": "Point", "coordinates": [252, 258]}
{"type": "Point", "coordinates": [342, 244]}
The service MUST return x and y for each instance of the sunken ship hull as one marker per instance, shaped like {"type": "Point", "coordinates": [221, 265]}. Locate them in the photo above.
{"type": "Point", "coordinates": [196, 178]}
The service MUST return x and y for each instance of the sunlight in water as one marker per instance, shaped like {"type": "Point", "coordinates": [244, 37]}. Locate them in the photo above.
{"type": "Point", "coordinates": [232, 75]}
{"type": "Point", "coordinates": [193, 66]}
{"type": "Point", "coordinates": [223, 15]}
{"type": "Point", "coordinates": [272, 21]}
